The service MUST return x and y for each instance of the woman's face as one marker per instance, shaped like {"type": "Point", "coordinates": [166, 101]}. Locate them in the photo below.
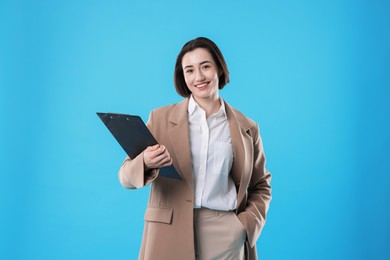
{"type": "Point", "coordinates": [201, 74]}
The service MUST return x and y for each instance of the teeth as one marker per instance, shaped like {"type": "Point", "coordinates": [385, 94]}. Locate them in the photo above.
{"type": "Point", "coordinates": [202, 85]}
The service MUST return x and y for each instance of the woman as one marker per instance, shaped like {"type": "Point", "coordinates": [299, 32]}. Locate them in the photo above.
{"type": "Point", "coordinates": [218, 209]}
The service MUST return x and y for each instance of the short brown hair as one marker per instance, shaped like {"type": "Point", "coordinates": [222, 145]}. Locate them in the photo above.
{"type": "Point", "coordinates": [212, 48]}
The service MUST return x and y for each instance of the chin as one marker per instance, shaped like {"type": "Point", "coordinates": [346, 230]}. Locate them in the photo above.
{"type": "Point", "coordinates": [204, 96]}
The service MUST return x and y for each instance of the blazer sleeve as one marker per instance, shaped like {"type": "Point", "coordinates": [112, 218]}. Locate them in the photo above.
{"type": "Point", "coordinates": [132, 174]}
{"type": "Point", "coordinates": [258, 192]}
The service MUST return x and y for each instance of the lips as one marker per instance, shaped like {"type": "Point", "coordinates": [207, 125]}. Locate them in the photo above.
{"type": "Point", "coordinates": [202, 85]}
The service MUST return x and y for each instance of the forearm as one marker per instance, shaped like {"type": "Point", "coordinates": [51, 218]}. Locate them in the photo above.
{"type": "Point", "coordinates": [132, 174]}
{"type": "Point", "coordinates": [258, 192]}
{"type": "Point", "coordinates": [254, 216]}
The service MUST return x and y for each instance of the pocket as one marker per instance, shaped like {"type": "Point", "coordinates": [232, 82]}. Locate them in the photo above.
{"type": "Point", "coordinates": [161, 215]}
{"type": "Point", "coordinates": [223, 157]}
{"type": "Point", "coordinates": [239, 225]}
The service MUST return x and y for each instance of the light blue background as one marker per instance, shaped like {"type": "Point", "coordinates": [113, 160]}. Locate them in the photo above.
{"type": "Point", "coordinates": [313, 74]}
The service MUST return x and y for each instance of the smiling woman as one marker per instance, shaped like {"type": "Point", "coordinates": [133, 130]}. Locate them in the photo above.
{"type": "Point", "coordinates": [201, 77]}
{"type": "Point", "coordinates": [218, 209]}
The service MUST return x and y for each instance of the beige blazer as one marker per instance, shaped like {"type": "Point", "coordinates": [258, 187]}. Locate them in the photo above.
{"type": "Point", "coordinates": [168, 230]}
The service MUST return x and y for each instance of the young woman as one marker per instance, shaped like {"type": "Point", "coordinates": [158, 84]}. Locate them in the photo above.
{"type": "Point", "coordinates": [218, 209]}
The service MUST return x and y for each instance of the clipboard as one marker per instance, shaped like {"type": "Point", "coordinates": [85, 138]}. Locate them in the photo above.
{"type": "Point", "coordinates": [134, 137]}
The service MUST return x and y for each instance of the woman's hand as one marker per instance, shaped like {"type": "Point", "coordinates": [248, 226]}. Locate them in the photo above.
{"type": "Point", "coordinates": [156, 156]}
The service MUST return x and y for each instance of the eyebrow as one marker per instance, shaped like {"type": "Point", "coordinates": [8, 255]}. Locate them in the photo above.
{"type": "Point", "coordinates": [203, 62]}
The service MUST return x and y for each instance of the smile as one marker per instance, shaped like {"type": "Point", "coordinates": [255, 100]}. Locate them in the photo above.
{"type": "Point", "coordinates": [202, 85]}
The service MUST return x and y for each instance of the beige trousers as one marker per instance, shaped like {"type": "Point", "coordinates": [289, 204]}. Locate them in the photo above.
{"type": "Point", "coordinates": [218, 235]}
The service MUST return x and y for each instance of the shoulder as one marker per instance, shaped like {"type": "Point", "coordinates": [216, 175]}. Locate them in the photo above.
{"type": "Point", "coordinates": [169, 109]}
{"type": "Point", "coordinates": [241, 118]}
{"type": "Point", "coordinates": [165, 110]}
{"type": "Point", "coordinates": [174, 112]}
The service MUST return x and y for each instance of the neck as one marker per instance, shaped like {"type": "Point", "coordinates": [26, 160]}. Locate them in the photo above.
{"type": "Point", "coordinates": [210, 106]}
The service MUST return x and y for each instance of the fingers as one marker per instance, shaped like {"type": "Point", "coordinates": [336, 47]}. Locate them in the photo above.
{"type": "Point", "coordinates": [163, 164]}
{"type": "Point", "coordinates": [163, 158]}
{"type": "Point", "coordinates": [157, 156]}
{"type": "Point", "coordinates": [156, 150]}
{"type": "Point", "coordinates": [153, 148]}
{"type": "Point", "coordinates": [168, 163]}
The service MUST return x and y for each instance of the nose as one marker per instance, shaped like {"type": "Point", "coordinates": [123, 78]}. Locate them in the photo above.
{"type": "Point", "coordinates": [199, 75]}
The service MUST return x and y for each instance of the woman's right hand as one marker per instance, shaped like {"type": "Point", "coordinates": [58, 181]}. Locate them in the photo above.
{"type": "Point", "coordinates": [156, 156]}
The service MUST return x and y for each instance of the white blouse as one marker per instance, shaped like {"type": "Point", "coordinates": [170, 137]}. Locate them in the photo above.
{"type": "Point", "coordinates": [212, 158]}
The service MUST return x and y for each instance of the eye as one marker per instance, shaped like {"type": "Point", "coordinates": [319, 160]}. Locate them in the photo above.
{"type": "Point", "coordinates": [189, 71]}
{"type": "Point", "coordinates": [206, 67]}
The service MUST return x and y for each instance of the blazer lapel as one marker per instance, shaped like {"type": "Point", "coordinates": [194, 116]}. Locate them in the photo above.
{"type": "Point", "coordinates": [242, 151]}
{"type": "Point", "coordinates": [179, 138]}
{"type": "Point", "coordinates": [178, 132]}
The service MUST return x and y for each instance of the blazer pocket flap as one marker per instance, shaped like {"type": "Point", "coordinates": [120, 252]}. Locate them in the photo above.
{"type": "Point", "coordinates": [163, 215]}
